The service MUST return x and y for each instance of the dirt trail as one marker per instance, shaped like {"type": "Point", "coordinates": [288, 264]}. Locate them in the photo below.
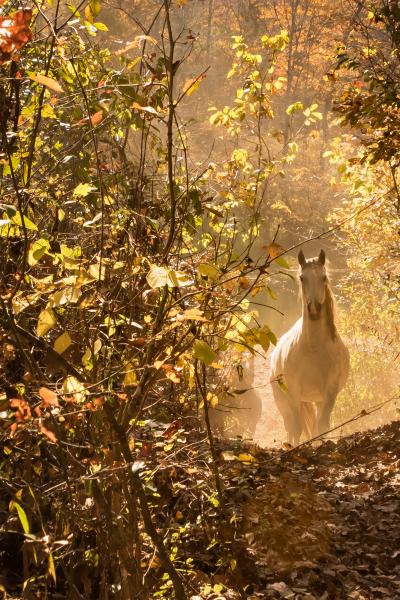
{"type": "Point", "coordinates": [269, 430]}
{"type": "Point", "coordinates": [249, 411]}
{"type": "Point", "coordinates": [321, 523]}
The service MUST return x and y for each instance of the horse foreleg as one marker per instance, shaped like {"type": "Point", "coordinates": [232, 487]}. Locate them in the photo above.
{"type": "Point", "coordinates": [292, 419]}
{"type": "Point", "coordinates": [290, 411]}
{"type": "Point", "coordinates": [324, 413]}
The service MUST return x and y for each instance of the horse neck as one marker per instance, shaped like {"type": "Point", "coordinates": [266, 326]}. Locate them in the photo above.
{"type": "Point", "coordinates": [317, 332]}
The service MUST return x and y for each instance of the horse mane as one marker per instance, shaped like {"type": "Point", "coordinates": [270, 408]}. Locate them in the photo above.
{"type": "Point", "coordinates": [330, 311]}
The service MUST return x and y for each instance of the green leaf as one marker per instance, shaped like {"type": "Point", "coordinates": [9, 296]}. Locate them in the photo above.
{"type": "Point", "coordinates": [296, 106]}
{"type": "Point", "coordinates": [265, 337]}
{"type": "Point", "coordinates": [73, 10]}
{"type": "Point", "coordinates": [282, 262]}
{"type": "Point", "coordinates": [282, 384]}
{"type": "Point", "coordinates": [46, 321]}
{"type": "Point", "coordinates": [21, 514]}
{"type": "Point", "coordinates": [204, 352]}
{"type": "Point", "coordinates": [100, 26]}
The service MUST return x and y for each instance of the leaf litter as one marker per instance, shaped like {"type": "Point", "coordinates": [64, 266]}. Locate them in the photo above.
{"type": "Point", "coordinates": [314, 523]}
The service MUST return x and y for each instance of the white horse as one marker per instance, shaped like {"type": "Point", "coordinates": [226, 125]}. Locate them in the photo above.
{"type": "Point", "coordinates": [310, 363]}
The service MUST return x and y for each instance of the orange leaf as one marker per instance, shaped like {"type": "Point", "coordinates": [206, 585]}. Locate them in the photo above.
{"type": "Point", "coordinates": [171, 429]}
{"type": "Point", "coordinates": [49, 398]}
{"type": "Point", "coordinates": [148, 109]}
{"type": "Point", "coordinates": [97, 117]}
{"type": "Point", "coordinates": [47, 81]}
{"type": "Point", "coordinates": [273, 250]}
{"type": "Point", "coordinates": [136, 43]}
{"type": "Point", "coordinates": [14, 33]}
{"type": "Point", "coordinates": [94, 119]}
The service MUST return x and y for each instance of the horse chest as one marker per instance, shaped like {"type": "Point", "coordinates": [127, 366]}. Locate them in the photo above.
{"type": "Point", "coordinates": [313, 373]}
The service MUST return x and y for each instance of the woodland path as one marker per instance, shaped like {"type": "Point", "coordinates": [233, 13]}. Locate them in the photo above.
{"type": "Point", "coordinates": [320, 523]}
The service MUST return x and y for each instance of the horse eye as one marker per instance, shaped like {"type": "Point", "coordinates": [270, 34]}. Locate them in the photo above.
{"type": "Point", "coordinates": [324, 278]}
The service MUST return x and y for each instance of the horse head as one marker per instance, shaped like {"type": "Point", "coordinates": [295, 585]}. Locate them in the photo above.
{"type": "Point", "coordinates": [314, 282]}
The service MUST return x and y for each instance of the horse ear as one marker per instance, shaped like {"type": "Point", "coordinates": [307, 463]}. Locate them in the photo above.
{"type": "Point", "coordinates": [302, 258]}
{"type": "Point", "coordinates": [321, 258]}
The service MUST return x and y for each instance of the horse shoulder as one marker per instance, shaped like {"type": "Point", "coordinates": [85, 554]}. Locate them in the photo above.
{"type": "Point", "coordinates": [284, 347]}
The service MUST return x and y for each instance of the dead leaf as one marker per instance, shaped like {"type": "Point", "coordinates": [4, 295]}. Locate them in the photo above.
{"type": "Point", "coordinates": [148, 109]}
{"type": "Point", "coordinates": [136, 43]}
{"type": "Point", "coordinates": [47, 81]}
{"type": "Point", "coordinates": [49, 398]}
{"type": "Point", "coordinates": [49, 434]}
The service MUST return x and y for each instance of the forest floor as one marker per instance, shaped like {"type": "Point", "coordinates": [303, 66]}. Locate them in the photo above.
{"type": "Point", "coordinates": [314, 523]}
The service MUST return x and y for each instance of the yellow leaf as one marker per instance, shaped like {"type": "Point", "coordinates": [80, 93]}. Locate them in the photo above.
{"type": "Point", "coordinates": [37, 250]}
{"type": "Point", "coordinates": [94, 271]}
{"type": "Point", "coordinates": [86, 357]}
{"type": "Point", "coordinates": [228, 456]}
{"type": "Point", "coordinates": [46, 321]}
{"type": "Point", "coordinates": [66, 295]}
{"type": "Point", "coordinates": [192, 314]}
{"type": "Point", "coordinates": [21, 514]}
{"type": "Point", "coordinates": [47, 81]}
{"type": "Point", "coordinates": [62, 342]}
{"type": "Point", "coordinates": [172, 376]}
{"type": "Point", "coordinates": [191, 85]}
{"type": "Point", "coordinates": [73, 389]}
{"type": "Point", "coordinates": [247, 458]}
{"type": "Point", "coordinates": [130, 377]}
{"type": "Point", "coordinates": [51, 567]}
{"type": "Point", "coordinates": [212, 400]}
{"type": "Point", "coordinates": [83, 189]}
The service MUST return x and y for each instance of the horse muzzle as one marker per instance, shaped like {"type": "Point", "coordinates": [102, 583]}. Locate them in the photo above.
{"type": "Point", "coordinates": [314, 309]}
